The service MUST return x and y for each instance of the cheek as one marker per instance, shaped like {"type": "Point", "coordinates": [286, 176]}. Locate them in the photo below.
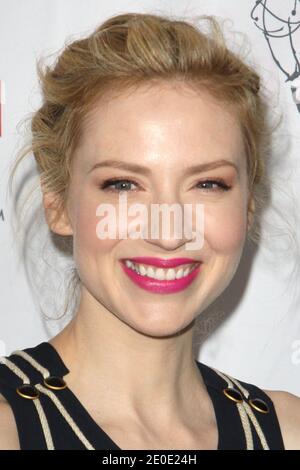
{"type": "Point", "coordinates": [225, 228]}
{"type": "Point", "coordinates": [87, 245]}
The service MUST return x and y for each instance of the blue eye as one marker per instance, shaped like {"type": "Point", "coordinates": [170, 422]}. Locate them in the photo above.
{"type": "Point", "coordinates": [121, 183]}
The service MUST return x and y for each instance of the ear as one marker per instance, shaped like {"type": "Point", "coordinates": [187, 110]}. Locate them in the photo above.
{"type": "Point", "coordinates": [56, 215]}
{"type": "Point", "coordinates": [251, 211]}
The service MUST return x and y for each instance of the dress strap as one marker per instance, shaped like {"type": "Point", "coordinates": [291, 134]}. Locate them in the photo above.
{"type": "Point", "coordinates": [29, 391]}
{"type": "Point", "coordinates": [33, 389]}
{"type": "Point", "coordinates": [239, 405]}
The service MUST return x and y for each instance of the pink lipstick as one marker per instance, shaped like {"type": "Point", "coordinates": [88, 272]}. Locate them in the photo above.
{"type": "Point", "coordinates": [161, 286]}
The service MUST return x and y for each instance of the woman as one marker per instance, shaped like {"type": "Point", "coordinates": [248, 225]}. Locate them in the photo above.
{"type": "Point", "coordinates": [156, 110]}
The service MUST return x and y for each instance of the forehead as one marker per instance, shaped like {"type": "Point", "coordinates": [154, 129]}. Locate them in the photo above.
{"type": "Point", "coordinates": [169, 117]}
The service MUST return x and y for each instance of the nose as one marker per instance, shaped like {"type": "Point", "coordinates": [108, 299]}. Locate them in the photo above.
{"type": "Point", "coordinates": [167, 225]}
{"type": "Point", "coordinates": [167, 244]}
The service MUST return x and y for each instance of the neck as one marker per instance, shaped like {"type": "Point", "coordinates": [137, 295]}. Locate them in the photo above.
{"type": "Point", "coordinates": [129, 370]}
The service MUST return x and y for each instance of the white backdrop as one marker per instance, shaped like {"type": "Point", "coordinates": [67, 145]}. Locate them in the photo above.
{"type": "Point", "coordinates": [260, 340]}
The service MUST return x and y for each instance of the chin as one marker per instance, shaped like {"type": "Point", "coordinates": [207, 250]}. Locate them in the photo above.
{"type": "Point", "coordinates": [161, 327]}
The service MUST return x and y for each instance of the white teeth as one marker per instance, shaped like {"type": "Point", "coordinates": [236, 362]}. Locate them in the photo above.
{"type": "Point", "coordinates": [186, 271]}
{"type": "Point", "coordinates": [159, 273]}
{"type": "Point", "coordinates": [150, 272]}
{"type": "Point", "coordinates": [179, 273]}
{"type": "Point", "coordinates": [143, 270]}
{"type": "Point", "coordinates": [170, 274]}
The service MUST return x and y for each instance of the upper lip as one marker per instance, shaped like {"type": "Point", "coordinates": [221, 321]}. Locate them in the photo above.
{"type": "Point", "coordinates": [162, 263]}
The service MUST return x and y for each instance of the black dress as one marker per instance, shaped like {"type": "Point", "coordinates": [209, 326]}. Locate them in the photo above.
{"type": "Point", "coordinates": [55, 418]}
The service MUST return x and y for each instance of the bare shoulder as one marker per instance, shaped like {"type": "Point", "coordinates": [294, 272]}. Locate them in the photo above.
{"type": "Point", "coordinates": [287, 407]}
{"type": "Point", "coordinates": [9, 439]}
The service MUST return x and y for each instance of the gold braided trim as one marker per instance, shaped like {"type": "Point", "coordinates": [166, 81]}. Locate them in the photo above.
{"type": "Point", "coordinates": [41, 413]}
{"type": "Point", "coordinates": [66, 416]}
{"type": "Point", "coordinates": [252, 416]}
{"type": "Point", "coordinates": [45, 372]}
{"type": "Point", "coordinates": [242, 412]}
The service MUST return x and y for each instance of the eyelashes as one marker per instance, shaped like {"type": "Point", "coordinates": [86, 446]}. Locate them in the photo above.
{"type": "Point", "coordinates": [107, 185]}
{"type": "Point", "coordinates": [222, 186]}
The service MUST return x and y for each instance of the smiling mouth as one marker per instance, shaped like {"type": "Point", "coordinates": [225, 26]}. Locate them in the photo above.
{"type": "Point", "coordinates": [161, 274]}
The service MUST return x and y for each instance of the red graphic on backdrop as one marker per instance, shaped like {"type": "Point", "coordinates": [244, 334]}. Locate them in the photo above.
{"type": "Point", "coordinates": [2, 102]}
{"type": "Point", "coordinates": [0, 108]}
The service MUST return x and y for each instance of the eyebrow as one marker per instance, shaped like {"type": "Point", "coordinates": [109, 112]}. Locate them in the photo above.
{"type": "Point", "coordinates": [135, 168]}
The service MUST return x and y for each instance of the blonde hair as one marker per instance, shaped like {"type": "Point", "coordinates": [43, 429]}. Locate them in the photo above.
{"type": "Point", "coordinates": [131, 49]}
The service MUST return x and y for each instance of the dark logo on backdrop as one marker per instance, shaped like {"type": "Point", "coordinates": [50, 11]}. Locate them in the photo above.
{"type": "Point", "coordinates": [279, 22]}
